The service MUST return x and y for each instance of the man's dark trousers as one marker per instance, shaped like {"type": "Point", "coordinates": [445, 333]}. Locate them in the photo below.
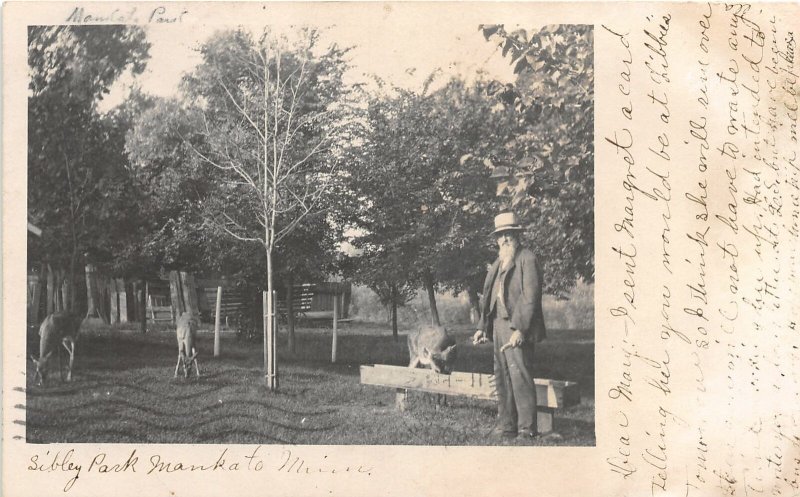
{"type": "Point", "coordinates": [516, 391]}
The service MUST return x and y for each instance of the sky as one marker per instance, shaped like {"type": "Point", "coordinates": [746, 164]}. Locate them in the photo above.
{"type": "Point", "coordinates": [403, 52]}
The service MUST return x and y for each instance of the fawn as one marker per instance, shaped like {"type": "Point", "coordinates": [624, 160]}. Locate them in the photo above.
{"type": "Point", "coordinates": [432, 346]}
{"type": "Point", "coordinates": [187, 354]}
{"type": "Point", "coordinates": [58, 329]}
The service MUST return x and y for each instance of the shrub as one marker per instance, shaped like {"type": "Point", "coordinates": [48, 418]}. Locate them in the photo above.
{"type": "Point", "coordinates": [574, 313]}
{"type": "Point", "coordinates": [577, 312]}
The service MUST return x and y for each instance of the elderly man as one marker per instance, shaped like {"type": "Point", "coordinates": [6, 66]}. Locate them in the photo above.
{"type": "Point", "coordinates": [511, 315]}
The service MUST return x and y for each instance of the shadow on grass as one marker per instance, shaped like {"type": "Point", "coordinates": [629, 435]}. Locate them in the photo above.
{"type": "Point", "coordinates": [124, 391]}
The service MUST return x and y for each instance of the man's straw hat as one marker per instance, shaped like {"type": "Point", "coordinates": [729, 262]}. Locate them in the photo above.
{"type": "Point", "coordinates": [507, 221]}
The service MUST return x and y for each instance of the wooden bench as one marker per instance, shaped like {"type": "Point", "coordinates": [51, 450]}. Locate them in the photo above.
{"type": "Point", "coordinates": [550, 394]}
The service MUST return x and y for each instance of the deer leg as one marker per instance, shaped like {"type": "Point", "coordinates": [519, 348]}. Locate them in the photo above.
{"type": "Point", "coordinates": [37, 376]}
{"type": "Point", "coordinates": [60, 366]}
{"type": "Point", "coordinates": [180, 356]}
{"type": "Point", "coordinates": [69, 344]}
{"type": "Point", "coordinates": [414, 362]}
{"type": "Point", "coordinates": [194, 360]}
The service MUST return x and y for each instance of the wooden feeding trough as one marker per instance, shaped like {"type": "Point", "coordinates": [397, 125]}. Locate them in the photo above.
{"type": "Point", "coordinates": [550, 394]}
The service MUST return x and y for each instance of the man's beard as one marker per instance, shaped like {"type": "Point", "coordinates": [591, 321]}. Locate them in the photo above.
{"type": "Point", "coordinates": [507, 252]}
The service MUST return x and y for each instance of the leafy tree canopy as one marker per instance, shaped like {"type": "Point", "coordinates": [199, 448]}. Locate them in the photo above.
{"type": "Point", "coordinates": [546, 170]}
{"type": "Point", "coordinates": [78, 188]}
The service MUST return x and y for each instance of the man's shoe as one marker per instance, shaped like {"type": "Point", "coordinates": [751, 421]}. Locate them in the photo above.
{"type": "Point", "coordinates": [527, 435]}
{"type": "Point", "coordinates": [499, 432]}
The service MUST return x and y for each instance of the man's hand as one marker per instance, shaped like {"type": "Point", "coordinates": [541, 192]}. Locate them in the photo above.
{"type": "Point", "coordinates": [515, 341]}
{"type": "Point", "coordinates": [479, 337]}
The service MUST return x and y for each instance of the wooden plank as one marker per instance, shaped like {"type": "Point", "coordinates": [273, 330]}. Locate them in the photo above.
{"type": "Point", "coordinates": [553, 394]}
{"type": "Point", "coordinates": [212, 284]}
{"type": "Point", "coordinates": [32, 228]}
{"type": "Point", "coordinates": [217, 322]}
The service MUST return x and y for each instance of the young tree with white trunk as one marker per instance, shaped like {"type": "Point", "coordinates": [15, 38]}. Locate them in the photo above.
{"type": "Point", "coordinates": [268, 120]}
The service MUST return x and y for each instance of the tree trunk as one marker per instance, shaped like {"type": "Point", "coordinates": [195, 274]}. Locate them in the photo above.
{"type": "Point", "coordinates": [114, 301]}
{"type": "Point", "coordinates": [176, 295]}
{"type": "Point", "coordinates": [142, 306]}
{"type": "Point", "coordinates": [189, 291]}
{"type": "Point", "coordinates": [270, 336]}
{"type": "Point", "coordinates": [51, 290]}
{"type": "Point", "coordinates": [432, 299]}
{"type": "Point", "coordinates": [474, 304]}
{"type": "Point", "coordinates": [290, 313]}
{"type": "Point", "coordinates": [71, 286]}
{"type": "Point", "coordinates": [394, 313]}
{"type": "Point", "coordinates": [62, 290]}
{"type": "Point", "coordinates": [34, 294]}
{"type": "Point", "coordinates": [94, 294]}
{"type": "Point", "coordinates": [122, 293]}
{"type": "Point", "coordinates": [105, 300]}
{"type": "Point", "coordinates": [270, 376]}
{"type": "Point", "coordinates": [348, 289]}
{"type": "Point", "coordinates": [59, 290]}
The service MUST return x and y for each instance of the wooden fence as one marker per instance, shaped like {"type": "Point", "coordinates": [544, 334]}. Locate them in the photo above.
{"type": "Point", "coordinates": [165, 299]}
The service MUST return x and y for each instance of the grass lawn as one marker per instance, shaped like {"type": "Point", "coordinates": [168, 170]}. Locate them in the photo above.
{"type": "Point", "coordinates": [123, 391]}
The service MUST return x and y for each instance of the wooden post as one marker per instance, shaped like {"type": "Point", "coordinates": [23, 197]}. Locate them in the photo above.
{"type": "Point", "coordinates": [149, 302]}
{"type": "Point", "coordinates": [217, 321]}
{"type": "Point", "coordinates": [544, 419]}
{"type": "Point", "coordinates": [335, 323]}
{"type": "Point", "coordinates": [274, 340]}
{"type": "Point", "coordinates": [269, 343]}
{"type": "Point", "coordinates": [123, 300]}
{"type": "Point", "coordinates": [290, 315]}
{"type": "Point", "coordinates": [401, 399]}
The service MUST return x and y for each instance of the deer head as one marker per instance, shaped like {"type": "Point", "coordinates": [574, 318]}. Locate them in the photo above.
{"type": "Point", "coordinates": [441, 362]}
{"type": "Point", "coordinates": [41, 368]}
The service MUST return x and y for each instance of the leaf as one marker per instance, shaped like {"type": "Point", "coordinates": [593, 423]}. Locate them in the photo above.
{"type": "Point", "coordinates": [500, 172]}
{"type": "Point", "coordinates": [489, 29]}
{"type": "Point", "coordinates": [464, 158]}
{"type": "Point", "coordinates": [522, 65]}
{"type": "Point", "coordinates": [518, 198]}
{"type": "Point", "coordinates": [501, 187]}
{"type": "Point", "coordinates": [493, 87]}
{"type": "Point", "coordinates": [521, 35]}
{"type": "Point", "coordinates": [507, 46]}
{"type": "Point", "coordinates": [531, 163]}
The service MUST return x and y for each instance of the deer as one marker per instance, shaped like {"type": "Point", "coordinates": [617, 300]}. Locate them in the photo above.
{"type": "Point", "coordinates": [187, 354]}
{"type": "Point", "coordinates": [59, 329]}
{"type": "Point", "coordinates": [432, 346]}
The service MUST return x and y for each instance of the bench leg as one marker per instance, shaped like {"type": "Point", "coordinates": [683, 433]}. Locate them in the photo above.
{"type": "Point", "coordinates": [401, 397]}
{"type": "Point", "coordinates": [544, 420]}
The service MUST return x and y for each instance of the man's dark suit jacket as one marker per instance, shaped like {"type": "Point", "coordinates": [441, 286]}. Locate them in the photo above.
{"type": "Point", "coordinates": [523, 296]}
